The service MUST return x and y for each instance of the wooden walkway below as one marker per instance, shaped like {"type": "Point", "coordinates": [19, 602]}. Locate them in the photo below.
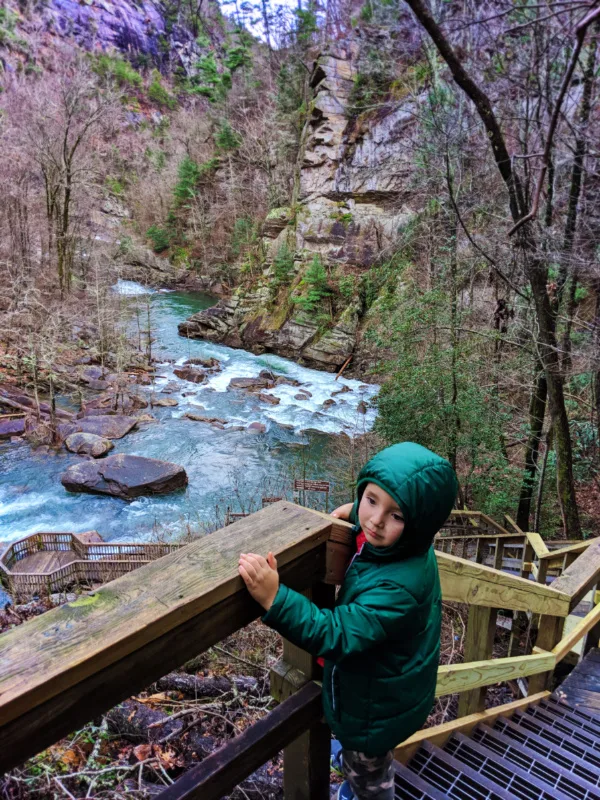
{"type": "Point", "coordinates": [44, 562]}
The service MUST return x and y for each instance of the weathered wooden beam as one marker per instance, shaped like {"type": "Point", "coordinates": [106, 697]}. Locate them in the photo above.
{"type": "Point", "coordinates": [538, 544]}
{"type": "Point", "coordinates": [440, 734]}
{"type": "Point", "coordinates": [463, 677]}
{"type": "Point", "coordinates": [64, 667]}
{"type": "Point", "coordinates": [578, 547]}
{"type": "Point", "coordinates": [581, 576]}
{"type": "Point", "coordinates": [220, 772]}
{"type": "Point", "coordinates": [579, 631]}
{"type": "Point", "coordinates": [475, 584]}
{"type": "Point", "coordinates": [340, 548]}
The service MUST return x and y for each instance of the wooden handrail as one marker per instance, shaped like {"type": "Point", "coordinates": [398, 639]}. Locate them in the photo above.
{"type": "Point", "coordinates": [578, 547]}
{"type": "Point", "coordinates": [64, 667]}
{"type": "Point", "coordinates": [467, 582]}
{"type": "Point", "coordinates": [538, 544]}
{"type": "Point", "coordinates": [455, 678]}
{"type": "Point", "coordinates": [76, 661]}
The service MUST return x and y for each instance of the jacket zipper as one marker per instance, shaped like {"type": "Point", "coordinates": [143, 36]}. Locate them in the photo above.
{"type": "Point", "coordinates": [333, 703]}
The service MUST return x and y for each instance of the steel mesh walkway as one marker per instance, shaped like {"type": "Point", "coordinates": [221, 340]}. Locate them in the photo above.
{"type": "Point", "coordinates": [548, 752]}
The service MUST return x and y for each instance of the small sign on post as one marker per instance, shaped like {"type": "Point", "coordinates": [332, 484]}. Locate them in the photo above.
{"type": "Point", "coordinates": [303, 485]}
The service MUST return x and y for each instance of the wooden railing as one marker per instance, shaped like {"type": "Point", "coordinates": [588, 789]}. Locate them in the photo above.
{"type": "Point", "coordinates": [74, 662]}
{"type": "Point", "coordinates": [96, 562]}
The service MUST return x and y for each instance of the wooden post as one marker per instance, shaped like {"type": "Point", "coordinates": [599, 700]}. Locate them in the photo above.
{"type": "Point", "coordinates": [306, 761]}
{"type": "Point", "coordinates": [549, 634]}
{"type": "Point", "coordinates": [528, 554]}
{"type": "Point", "coordinates": [479, 644]}
{"type": "Point", "coordinates": [499, 554]}
{"type": "Point", "coordinates": [593, 636]}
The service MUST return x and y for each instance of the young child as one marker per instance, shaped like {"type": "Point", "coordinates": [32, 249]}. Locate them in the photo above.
{"type": "Point", "coordinates": [381, 641]}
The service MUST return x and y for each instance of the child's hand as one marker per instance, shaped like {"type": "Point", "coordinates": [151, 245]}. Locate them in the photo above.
{"type": "Point", "coordinates": [343, 512]}
{"type": "Point", "coordinates": [260, 576]}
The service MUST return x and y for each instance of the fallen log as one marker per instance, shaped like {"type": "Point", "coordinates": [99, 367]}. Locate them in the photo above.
{"type": "Point", "coordinates": [198, 686]}
{"type": "Point", "coordinates": [132, 720]}
{"type": "Point", "coordinates": [27, 404]}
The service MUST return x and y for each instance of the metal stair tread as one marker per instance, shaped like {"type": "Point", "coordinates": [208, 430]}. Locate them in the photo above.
{"type": "Point", "coordinates": [570, 728]}
{"type": "Point", "coordinates": [452, 777]}
{"type": "Point", "coordinates": [548, 740]}
{"type": "Point", "coordinates": [504, 773]}
{"type": "Point", "coordinates": [569, 777]}
{"type": "Point", "coordinates": [410, 786]}
{"type": "Point", "coordinates": [575, 716]}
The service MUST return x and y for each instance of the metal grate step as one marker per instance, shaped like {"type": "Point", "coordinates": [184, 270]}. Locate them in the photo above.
{"type": "Point", "coordinates": [580, 730]}
{"type": "Point", "coordinates": [573, 715]}
{"type": "Point", "coordinates": [452, 778]}
{"type": "Point", "coordinates": [411, 787]}
{"type": "Point", "coordinates": [512, 778]}
{"type": "Point", "coordinates": [561, 778]}
{"type": "Point", "coordinates": [580, 760]}
{"type": "Point", "coordinates": [576, 744]}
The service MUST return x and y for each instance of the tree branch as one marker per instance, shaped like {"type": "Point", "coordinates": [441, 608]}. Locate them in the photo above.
{"type": "Point", "coordinates": [580, 32]}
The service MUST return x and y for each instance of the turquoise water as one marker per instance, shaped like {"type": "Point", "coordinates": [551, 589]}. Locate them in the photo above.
{"type": "Point", "coordinates": [225, 467]}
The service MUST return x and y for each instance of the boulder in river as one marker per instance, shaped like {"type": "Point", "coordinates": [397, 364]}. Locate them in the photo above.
{"type": "Point", "coordinates": [88, 444]}
{"type": "Point", "coordinates": [190, 374]}
{"type": "Point", "coordinates": [289, 381]}
{"type": "Point", "coordinates": [208, 363]}
{"type": "Point", "coordinates": [11, 427]}
{"type": "Point", "coordinates": [163, 401]}
{"type": "Point", "coordinates": [202, 418]}
{"type": "Point", "coordinates": [345, 388]}
{"type": "Point", "coordinates": [269, 398]}
{"type": "Point", "coordinates": [256, 427]}
{"type": "Point", "coordinates": [328, 403]}
{"type": "Point", "coordinates": [125, 476]}
{"type": "Point", "coordinates": [251, 384]}
{"type": "Point", "coordinates": [113, 426]}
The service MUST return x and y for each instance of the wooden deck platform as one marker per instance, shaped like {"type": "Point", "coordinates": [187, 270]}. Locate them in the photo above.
{"type": "Point", "coordinates": [44, 562]}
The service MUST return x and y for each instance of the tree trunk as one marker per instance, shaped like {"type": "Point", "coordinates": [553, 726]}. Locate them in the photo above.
{"type": "Point", "coordinates": [565, 483]}
{"type": "Point", "coordinates": [537, 411]}
{"type": "Point", "coordinates": [535, 270]}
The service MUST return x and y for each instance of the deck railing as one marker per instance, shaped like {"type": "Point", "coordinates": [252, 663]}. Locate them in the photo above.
{"type": "Point", "coordinates": [74, 662]}
{"type": "Point", "coordinates": [96, 562]}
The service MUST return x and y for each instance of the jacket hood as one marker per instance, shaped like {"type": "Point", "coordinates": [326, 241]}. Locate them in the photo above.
{"type": "Point", "coordinates": [424, 486]}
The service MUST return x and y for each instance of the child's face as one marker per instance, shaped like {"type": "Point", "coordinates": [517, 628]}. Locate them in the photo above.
{"type": "Point", "coordinates": [380, 517]}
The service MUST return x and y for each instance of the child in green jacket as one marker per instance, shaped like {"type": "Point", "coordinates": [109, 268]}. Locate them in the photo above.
{"type": "Point", "coordinates": [381, 641]}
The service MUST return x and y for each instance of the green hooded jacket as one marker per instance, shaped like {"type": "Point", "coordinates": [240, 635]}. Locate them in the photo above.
{"type": "Point", "coordinates": [381, 642]}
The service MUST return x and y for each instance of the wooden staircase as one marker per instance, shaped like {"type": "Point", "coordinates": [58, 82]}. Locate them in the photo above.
{"type": "Point", "coordinates": [549, 751]}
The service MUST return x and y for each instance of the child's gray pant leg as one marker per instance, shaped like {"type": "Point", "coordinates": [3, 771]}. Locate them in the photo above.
{"type": "Point", "coordinates": [370, 777]}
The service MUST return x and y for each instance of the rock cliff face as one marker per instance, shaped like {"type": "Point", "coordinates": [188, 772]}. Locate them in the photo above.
{"type": "Point", "coordinates": [348, 208]}
{"type": "Point", "coordinates": [136, 27]}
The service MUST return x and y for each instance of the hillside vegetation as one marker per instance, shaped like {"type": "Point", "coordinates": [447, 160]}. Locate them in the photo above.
{"type": "Point", "coordinates": [413, 197]}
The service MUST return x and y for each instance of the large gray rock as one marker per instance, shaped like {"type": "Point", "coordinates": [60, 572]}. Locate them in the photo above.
{"type": "Point", "coordinates": [11, 427]}
{"type": "Point", "coordinates": [88, 444]}
{"type": "Point", "coordinates": [125, 476]}
{"type": "Point", "coordinates": [250, 384]}
{"type": "Point", "coordinates": [164, 402]}
{"type": "Point", "coordinates": [190, 374]}
{"type": "Point", "coordinates": [113, 426]}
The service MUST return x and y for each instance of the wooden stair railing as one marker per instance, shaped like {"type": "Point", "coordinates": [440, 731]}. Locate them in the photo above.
{"type": "Point", "coordinates": [74, 662]}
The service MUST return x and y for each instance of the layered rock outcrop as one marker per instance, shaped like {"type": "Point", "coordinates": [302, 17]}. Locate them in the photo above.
{"type": "Point", "coordinates": [348, 209]}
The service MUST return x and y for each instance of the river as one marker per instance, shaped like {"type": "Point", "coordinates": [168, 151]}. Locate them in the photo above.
{"type": "Point", "coordinates": [225, 467]}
